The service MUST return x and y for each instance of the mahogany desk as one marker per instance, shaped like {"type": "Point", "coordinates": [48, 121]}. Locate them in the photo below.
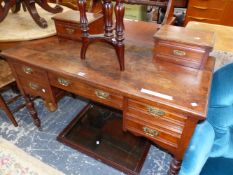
{"type": "Point", "coordinates": [160, 101]}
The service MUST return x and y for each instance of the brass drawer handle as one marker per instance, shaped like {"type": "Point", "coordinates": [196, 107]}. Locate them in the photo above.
{"type": "Point", "coordinates": [155, 112]}
{"type": "Point", "coordinates": [150, 132]}
{"type": "Point", "coordinates": [101, 94]}
{"type": "Point", "coordinates": [179, 52]}
{"type": "Point", "coordinates": [70, 31]}
{"type": "Point", "coordinates": [34, 86]}
{"type": "Point", "coordinates": [63, 82]}
{"type": "Point", "coordinates": [27, 70]}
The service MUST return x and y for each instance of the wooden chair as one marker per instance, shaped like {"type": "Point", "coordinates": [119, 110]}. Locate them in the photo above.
{"type": "Point", "coordinates": [6, 78]}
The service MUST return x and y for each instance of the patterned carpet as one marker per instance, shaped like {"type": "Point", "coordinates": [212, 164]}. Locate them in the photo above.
{"type": "Point", "coordinates": [43, 144]}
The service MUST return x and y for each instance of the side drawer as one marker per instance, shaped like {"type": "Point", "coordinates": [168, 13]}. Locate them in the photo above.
{"type": "Point", "coordinates": [152, 132]}
{"type": "Point", "coordinates": [156, 115]}
{"type": "Point", "coordinates": [29, 71]}
{"type": "Point", "coordinates": [35, 88]}
{"type": "Point", "coordinates": [85, 90]}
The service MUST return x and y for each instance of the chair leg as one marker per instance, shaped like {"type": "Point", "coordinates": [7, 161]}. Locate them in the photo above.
{"type": "Point", "coordinates": [7, 111]}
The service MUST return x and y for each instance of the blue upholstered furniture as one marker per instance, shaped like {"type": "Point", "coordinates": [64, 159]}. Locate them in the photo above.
{"type": "Point", "coordinates": [213, 138]}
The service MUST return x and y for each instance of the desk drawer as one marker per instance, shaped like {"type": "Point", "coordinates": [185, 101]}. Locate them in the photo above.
{"type": "Point", "coordinates": [85, 90]}
{"type": "Point", "coordinates": [35, 88]}
{"type": "Point", "coordinates": [28, 71]}
{"type": "Point", "coordinates": [157, 116]}
{"type": "Point", "coordinates": [153, 132]}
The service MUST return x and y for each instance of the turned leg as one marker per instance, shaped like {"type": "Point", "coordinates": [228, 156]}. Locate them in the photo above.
{"type": "Point", "coordinates": [32, 111]}
{"type": "Point", "coordinates": [174, 167]}
{"type": "Point", "coordinates": [50, 106]}
{"type": "Point", "coordinates": [30, 5]}
{"type": "Point", "coordinates": [7, 111]}
{"type": "Point", "coordinates": [44, 4]}
{"type": "Point", "coordinates": [119, 46]}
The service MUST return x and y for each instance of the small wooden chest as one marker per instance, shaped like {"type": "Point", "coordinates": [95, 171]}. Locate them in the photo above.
{"type": "Point", "coordinates": [67, 24]}
{"type": "Point", "coordinates": [183, 46]}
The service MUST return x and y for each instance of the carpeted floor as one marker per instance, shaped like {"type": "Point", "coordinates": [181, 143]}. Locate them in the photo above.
{"type": "Point", "coordinates": [43, 144]}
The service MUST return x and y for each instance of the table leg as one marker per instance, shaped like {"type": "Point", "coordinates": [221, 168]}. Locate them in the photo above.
{"type": "Point", "coordinates": [174, 167]}
{"type": "Point", "coordinates": [31, 7]}
{"type": "Point", "coordinates": [44, 4]}
{"type": "Point", "coordinates": [32, 111]}
{"type": "Point", "coordinates": [4, 9]}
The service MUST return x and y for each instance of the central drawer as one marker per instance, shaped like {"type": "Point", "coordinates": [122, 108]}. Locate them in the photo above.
{"type": "Point", "coordinates": [29, 71]}
{"type": "Point", "coordinates": [73, 85]}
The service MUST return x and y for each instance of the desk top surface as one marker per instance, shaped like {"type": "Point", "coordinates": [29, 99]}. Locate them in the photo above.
{"type": "Point", "coordinates": [179, 87]}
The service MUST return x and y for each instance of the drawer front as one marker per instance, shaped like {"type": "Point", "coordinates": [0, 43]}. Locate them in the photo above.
{"type": "Point", "coordinates": [201, 19]}
{"type": "Point", "coordinates": [29, 71]}
{"type": "Point", "coordinates": [190, 53]}
{"type": "Point", "coordinates": [179, 54]}
{"type": "Point", "coordinates": [156, 116]}
{"type": "Point", "coordinates": [35, 88]}
{"type": "Point", "coordinates": [68, 30]}
{"type": "Point", "coordinates": [210, 4]}
{"type": "Point", "coordinates": [88, 91]}
{"type": "Point", "coordinates": [152, 132]}
{"type": "Point", "coordinates": [203, 12]}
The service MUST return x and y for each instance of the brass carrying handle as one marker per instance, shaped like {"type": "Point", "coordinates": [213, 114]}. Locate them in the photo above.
{"type": "Point", "coordinates": [150, 132]}
{"type": "Point", "coordinates": [27, 70]}
{"type": "Point", "coordinates": [70, 31]}
{"type": "Point", "coordinates": [34, 86]}
{"type": "Point", "coordinates": [155, 112]}
{"type": "Point", "coordinates": [101, 94]}
{"type": "Point", "coordinates": [179, 52]}
{"type": "Point", "coordinates": [63, 82]}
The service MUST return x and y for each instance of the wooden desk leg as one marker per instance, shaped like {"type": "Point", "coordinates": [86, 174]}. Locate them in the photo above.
{"type": "Point", "coordinates": [174, 167]}
{"type": "Point", "coordinates": [32, 111]}
{"type": "Point", "coordinates": [7, 111]}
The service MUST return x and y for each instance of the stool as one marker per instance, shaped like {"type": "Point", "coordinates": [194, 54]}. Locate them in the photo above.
{"type": "Point", "coordinates": [6, 78]}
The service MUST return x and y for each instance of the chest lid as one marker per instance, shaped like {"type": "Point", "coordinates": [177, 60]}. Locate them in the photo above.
{"type": "Point", "coordinates": [201, 38]}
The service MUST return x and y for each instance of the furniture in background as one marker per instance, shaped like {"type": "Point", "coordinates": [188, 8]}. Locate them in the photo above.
{"type": "Point", "coordinates": [6, 78]}
{"type": "Point", "coordinates": [224, 34]}
{"type": "Point", "coordinates": [210, 11]}
{"type": "Point", "coordinates": [15, 6]}
{"type": "Point", "coordinates": [213, 137]}
{"type": "Point", "coordinates": [223, 49]}
{"type": "Point", "coordinates": [171, 99]}
{"type": "Point", "coordinates": [117, 39]}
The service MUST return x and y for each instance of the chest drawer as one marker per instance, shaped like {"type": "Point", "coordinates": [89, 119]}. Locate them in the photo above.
{"type": "Point", "coordinates": [68, 25]}
{"type": "Point", "coordinates": [85, 90]}
{"type": "Point", "coordinates": [28, 71]}
{"type": "Point", "coordinates": [205, 12]}
{"type": "Point", "coordinates": [179, 54]}
{"type": "Point", "coordinates": [210, 4]}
